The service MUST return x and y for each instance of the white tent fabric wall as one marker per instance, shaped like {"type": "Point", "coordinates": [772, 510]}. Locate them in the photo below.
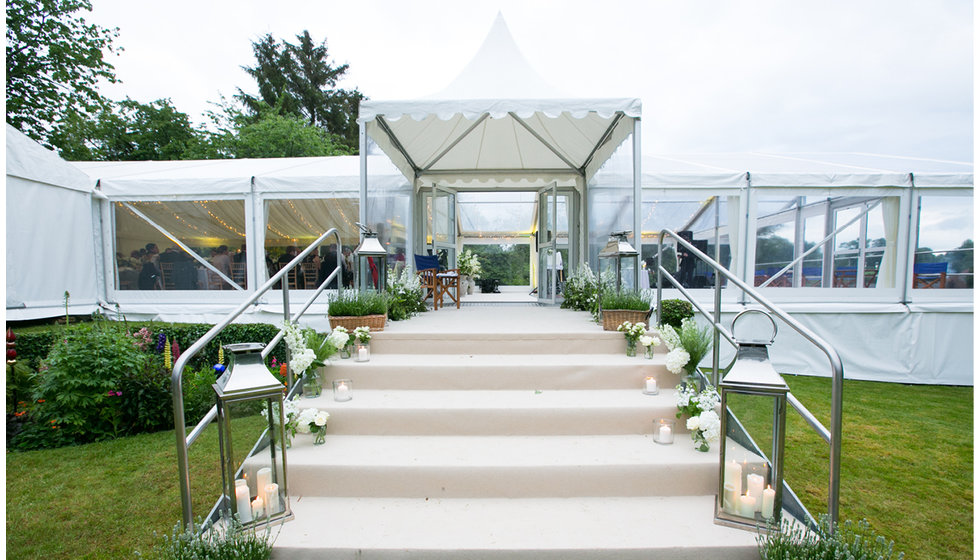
{"type": "Point", "coordinates": [50, 234]}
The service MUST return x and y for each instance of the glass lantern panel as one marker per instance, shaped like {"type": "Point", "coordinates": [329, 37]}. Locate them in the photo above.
{"type": "Point", "coordinates": [627, 273]}
{"type": "Point", "coordinates": [259, 462]}
{"type": "Point", "coordinates": [371, 272]}
{"type": "Point", "coordinates": [746, 454]}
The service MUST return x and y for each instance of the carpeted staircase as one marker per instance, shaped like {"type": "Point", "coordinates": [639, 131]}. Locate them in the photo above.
{"type": "Point", "coordinates": [502, 443]}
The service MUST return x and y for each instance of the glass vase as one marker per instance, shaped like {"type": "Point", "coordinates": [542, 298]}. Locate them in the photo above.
{"type": "Point", "coordinates": [630, 348]}
{"type": "Point", "coordinates": [320, 437]}
{"type": "Point", "coordinates": [648, 352]}
{"type": "Point", "coordinates": [345, 352]}
{"type": "Point", "coordinates": [311, 385]}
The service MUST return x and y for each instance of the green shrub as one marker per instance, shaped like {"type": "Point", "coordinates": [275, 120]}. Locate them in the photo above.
{"type": "Point", "coordinates": [215, 544]}
{"type": "Point", "coordinates": [673, 311]}
{"type": "Point", "coordinates": [850, 541]}
{"type": "Point", "coordinates": [626, 299]}
{"type": "Point", "coordinates": [145, 402]}
{"type": "Point", "coordinates": [358, 304]}
{"type": "Point", "coordinates": [198, 394]}
{"type": "Point", "coordinates": [79, 380]}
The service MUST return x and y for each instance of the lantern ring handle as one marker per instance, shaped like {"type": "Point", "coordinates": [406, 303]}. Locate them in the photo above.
{"type": "Point", "coordinates": [775, 328]}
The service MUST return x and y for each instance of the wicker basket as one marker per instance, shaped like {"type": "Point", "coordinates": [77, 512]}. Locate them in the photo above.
{"type": "Point", "coordinates": [612, 318]}
{"type": "Point", "coordinates": [350, 322]}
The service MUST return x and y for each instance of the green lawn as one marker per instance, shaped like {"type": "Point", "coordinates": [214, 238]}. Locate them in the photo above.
{"type": "Point", "coordinates": [907, 468]}
{"type": "Point", "coordinates": [906, 460]}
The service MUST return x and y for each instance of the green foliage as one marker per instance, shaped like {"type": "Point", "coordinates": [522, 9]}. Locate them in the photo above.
{"type": "Point", "coordinates": [357, 304]}
{"type": "Point", "coordinates": [217, 543]}
{"type": "Point", "coordinates": [55, 60]}
{"type": "Point", "coordinates": [582, 291]}
{"type": "Point", "coordinates": [632, 300]}
{"type": "Point", "coordinates": [145, 403]}
{"type": "Point", "coordinates": [21, 382]}
{"type": "Point", "coordinates": [130, 131]}
{"type": "Point", "coordinates": [299, 80]}
{"type": "Point", "coordinates": [405, 296]}
{"type": "Point", "coordinates": [277, 135]}
{"type": "Point", "coordinates": [509, 265]}
{"type": "Point", "coordinates": [673, 311]}
{"type": "Point", "coordinates": [198, 394]}
{"type": "Point", "coordinates": [847, 541]}
{"type": "Point", "coordinates": [321, 347]}
{"type": "Point", "coordinates": [78, 382]}
{"type": "Point", "coordinates": [468, 264]}
{"type": "Point", "coordinates": [695, 340]}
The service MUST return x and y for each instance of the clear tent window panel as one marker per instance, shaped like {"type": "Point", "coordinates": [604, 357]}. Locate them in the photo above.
{"type": "Point", "coordinates": [701, 217]}
{"type": "Point", "coordinates": [164, 245]}
{"type": "Point", "coordinates": [944, 247]}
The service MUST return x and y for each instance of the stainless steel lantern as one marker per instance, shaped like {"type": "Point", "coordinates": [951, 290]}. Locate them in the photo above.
{"type": "Point", "coordinates": [622, 259]}
{"type": "Point", "coordinates": [253, 454]}
{"type": "Point", "coordinates": [750, 479]}
{"type": "Point", "coordinates": [372, 261]}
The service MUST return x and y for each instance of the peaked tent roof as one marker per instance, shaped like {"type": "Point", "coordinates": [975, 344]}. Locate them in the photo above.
{"type": "Point", "coordinates": [499, 118]}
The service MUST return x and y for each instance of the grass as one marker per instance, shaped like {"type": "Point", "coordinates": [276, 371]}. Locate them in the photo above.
{"type": "Point", "coordinates": [906, 460]}
{"type": "Point", "coordinates": [907, 466]}
{"type": "Point", "coordinates": [106, 499]}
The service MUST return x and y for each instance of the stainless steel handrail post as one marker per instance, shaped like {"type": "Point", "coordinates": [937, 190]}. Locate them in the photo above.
{"type": "Point", "coordinates": [836, 365]}
{"type": "Point", "coordinates": [180, 426]}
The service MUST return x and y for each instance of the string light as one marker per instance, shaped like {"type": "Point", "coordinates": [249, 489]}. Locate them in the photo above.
{"type": "Point", "coordinates": [204, 205]}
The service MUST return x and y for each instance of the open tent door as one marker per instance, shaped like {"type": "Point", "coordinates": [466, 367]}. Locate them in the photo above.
{"type": "Point", "coordinates": [438, 206]}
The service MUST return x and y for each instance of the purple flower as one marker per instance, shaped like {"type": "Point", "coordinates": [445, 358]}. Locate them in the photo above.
{"type": "Point", "coordinates": [161, 341]}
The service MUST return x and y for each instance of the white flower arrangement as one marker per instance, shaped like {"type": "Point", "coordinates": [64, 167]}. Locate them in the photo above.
{"type": "Point", "coordinates": [301, 356]}
{"type": "Point", "coordinates": [313, 421]}
{"type": "Point", "coordinates": [676, 359]}
{"type": "Point", "coordinates": [362, 334]}
{"type": "Point", "coordinates": [670, 337]}
{"type": "Point", "coordinates": [631, 331]}
{"type": "Point", "coordinates": [703, 422]}
{"type": "Point", "coordinates": [648, 341]}
{"type": "Point", "coordinates": [290, 412]}
{"type": "Point", "coordinates": [339, 337]}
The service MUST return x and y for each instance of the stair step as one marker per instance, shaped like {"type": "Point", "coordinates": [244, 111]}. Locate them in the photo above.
{"type": "Point", "coordinates": [500, 371]}
{"type": "Point", "coordinates": [499, 466]}
{"type": "Point", "coordinates": [665, 527]}
{"type": "Point", "coordinates": [525, 412]}
{"type": "Point", "coordinates": [533, 342]}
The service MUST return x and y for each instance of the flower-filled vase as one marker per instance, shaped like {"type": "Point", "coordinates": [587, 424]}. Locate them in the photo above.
{"type": "Point", "coordinates": [630, 348]}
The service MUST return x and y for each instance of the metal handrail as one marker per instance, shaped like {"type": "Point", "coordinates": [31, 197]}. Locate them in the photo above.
{"type": "Point", "coordinates": [180, 427]}
{"type": "Point", "coordinates": [832, 436]}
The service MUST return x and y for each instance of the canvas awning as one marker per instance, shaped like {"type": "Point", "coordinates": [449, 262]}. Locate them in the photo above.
{"type": "Point", "coordinates": [499, 121]}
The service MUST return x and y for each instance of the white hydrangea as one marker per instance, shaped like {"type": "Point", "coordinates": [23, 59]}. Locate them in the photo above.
{"type": "Point", "coordinates": [306, 417]}
{"type": "Point", "coordinates": [338, 338]}
{"type": "Point", "coordinates": [669, 336]}
{"type": "Point", "coordinates": [676, 360]}
{"type": "Point", "coordinates": [710, 425]}
{"type": "Point", "coordinates": [302, 360]}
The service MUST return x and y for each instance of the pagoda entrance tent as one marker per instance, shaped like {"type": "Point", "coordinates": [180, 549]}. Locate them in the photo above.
{"type": "Point", "coordinates": [51, 234]}
{"type": "Point", "coordinates": [498, 127]}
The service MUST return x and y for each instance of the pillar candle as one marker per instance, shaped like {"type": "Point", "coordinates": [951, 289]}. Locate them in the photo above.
{"type": "Point", "coordinates": [272, 498]}
{"type": "Point", "coordinates": [651, 385]}
{"type": "Point", "coordinates": [730, 498]}
{"type": "Point", "coordinates": [258, 507]}
{"type": "Point", "coordinates": [666, 435]}
{"type": "Point", "coordinates": [755, 483]}
{"type": "Point", "coordinates": [342, 393]}
{"type": "Point", "coordinates": [768, 501]}
{"type": "Point", "coordinates": [733, 476]}
{"type": "Point", "coordinates": [746, 506]}
{"type": "Point", "coordinates": [362, 353]}
{"type": "Point", "coordinates": [262, 479]}
{"type": "Point", "coordinates": [242, 503]}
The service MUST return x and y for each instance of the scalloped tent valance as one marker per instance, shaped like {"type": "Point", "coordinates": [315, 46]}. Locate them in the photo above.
{"type": "Point", "coordinates": [499, 119]}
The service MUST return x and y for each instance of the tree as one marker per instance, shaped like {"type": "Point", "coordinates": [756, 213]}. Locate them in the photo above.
{"type": "Point", "coordinates": [277, 135]}
{"type": "Point", "coordinates": [54, 62]}
{"type": "Point", "coordinates": [131, 131]}
{"type": "Point", "coordinates": [298, 79]}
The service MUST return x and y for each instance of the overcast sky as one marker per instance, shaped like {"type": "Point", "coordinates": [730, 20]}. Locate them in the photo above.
{"type": "Point", "coordinates": [889, 76]}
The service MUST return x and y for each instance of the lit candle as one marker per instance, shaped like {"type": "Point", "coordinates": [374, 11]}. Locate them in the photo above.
{"type": "Point", "coordinates": [258, 507]}
{"type": "Point", "coordinates": [731, 498]}
{"type": "Point", "coordinates": [733, 476]}
{"type": "Point", "coordinates": [768, 501]}
{"type": "Point", "coordinates": [362, 353]}
{"type": "Point", "coordinates": [272, 498]}
{"type": "Point", "coordinates": [651, 385]}
{"type": "Point", "coordinates": [241, 502]}
{"type": "Point", "coordinates": [666, 434]}
{"type": "Point", "coordinates": [755, 483]}
{"type": "Point", "coordinates": [262, 479]}
{"type": "Point", "coordinates": [746, 506]}
{"type": "Point", "coordinates": [342, 393]}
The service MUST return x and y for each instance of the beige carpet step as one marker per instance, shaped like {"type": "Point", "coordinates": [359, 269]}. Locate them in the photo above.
{"type": "Point", "coordinates": [500, 371]}
{"type": "Point", "coordinates": [499, 467]}
{"type": "Point", "coordinates": [524, 412]}
{"type": "Point", "coordinates": [665, 528]}
{"type": "Point", "coordinates": [518, 342]}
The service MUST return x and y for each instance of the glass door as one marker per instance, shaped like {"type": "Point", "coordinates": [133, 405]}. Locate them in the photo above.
{"type": "Point", "coordinates": [440, 225]}
{"type": "Point", "coordinates": [549, 259]}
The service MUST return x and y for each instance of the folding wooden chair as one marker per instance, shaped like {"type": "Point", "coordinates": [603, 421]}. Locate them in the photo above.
{"type": "Point", "coordinates": [427, 267]}
{"type": "Point", "coordinates": [929, 275]}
